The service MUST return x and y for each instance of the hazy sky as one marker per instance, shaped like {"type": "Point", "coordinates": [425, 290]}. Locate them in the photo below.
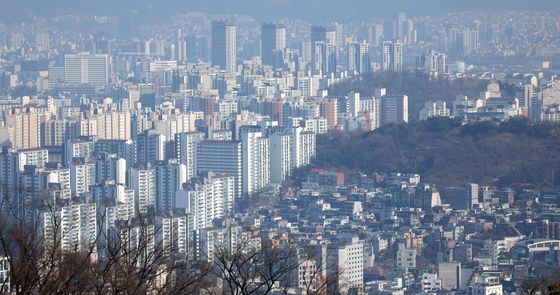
{"type": "Point", "coordinates": [266, 9]}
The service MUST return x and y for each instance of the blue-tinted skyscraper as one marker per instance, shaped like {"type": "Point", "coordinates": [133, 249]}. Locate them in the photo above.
{"type": "Point", "coordinates": [273, 37]}
{"type": "Point", "coordinates": [224, 46]}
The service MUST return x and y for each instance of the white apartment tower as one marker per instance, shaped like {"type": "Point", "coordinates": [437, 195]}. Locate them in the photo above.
{"type": "Point", "coordinates": [82, 176]}
{"type": "Point", "coordinates": [354, 104]}
{"type": "Point", "coordinates": [176, 235]}
{"type": "Point", "coordinates": [87, 68]}
{"type": "Point", "coordinates": [210, 199]}
{"type": "Point", "coordinates": [303, 147]}
{"type": "Point", "coordinates": [392, 56]}
{"type": "Point", "coordinates": [325, 60]}
{"type": "Point", "coordinates": [358, 57]}
{"type": "Point", "coordinates": [347, 259]}
{"type": "Point", "coordinates": [256, 159]}
{"type": "Point", "coordinates": [143, 181]}
{"type": "Point", "coordinates": [35, 157]}
{"type": "Point", "coordinates": [122, 210]}
{"type": "Point", "coordinates": [186, 145]}
{"type": "Point", "coordinates": [290, 149]}
{"type": "Point", "coordinates": [75, 227]}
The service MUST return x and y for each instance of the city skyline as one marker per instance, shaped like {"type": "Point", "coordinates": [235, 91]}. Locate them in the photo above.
{"type": "Point", "coordinates": [280, 147]}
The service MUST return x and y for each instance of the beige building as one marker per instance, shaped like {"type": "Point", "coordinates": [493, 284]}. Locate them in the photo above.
{"type": "Point", "coordinates": [23, 127]}
{"type": "Point", "coordinates": [88, 127]}
{"type": "Point", "coordinates": [114, 125]}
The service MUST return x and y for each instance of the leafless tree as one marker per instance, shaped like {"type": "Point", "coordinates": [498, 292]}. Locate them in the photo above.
{"type": "Point", "coordinates": [322, 278]}
{"type": "Point", "coordinates": [540, 286]}
{"type": "Point", "coordinates": [128, 258]}
{"type": "Point", "coordinates": [249, 270]}
{"type": "Point", "coordinates": [37, 265]}
{"type": "Point", "coordinates": [134, 259]}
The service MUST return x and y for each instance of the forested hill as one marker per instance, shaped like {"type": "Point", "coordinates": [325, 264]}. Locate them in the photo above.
{"type": "Point", "coordinates": [444, 152]}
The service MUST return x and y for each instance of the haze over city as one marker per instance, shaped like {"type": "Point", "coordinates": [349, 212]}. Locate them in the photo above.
{"type": "Point", "coordinates": [316, 10]}
{"type": "Point", "coordinates": [398, 147]}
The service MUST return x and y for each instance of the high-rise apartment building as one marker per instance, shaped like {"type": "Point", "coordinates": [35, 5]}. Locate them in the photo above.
{"type": "Point", "coordinates": [224, 46]}
{"type": "Point", "coordinates": [75, 227]}
{"type": "Point", "coordinates": [358, 57]}
{"type": "Point", "coordinates": [82, 176]}
{"type": "Point", "coordinates": [436, 62]}
{"type": "Point", "coordinates": [87, 68]}
{"type": "Point", "coordinates": [77, 149]}
{"type": "Point", "coordinates": [318, 34]}
{"type": "Point", "coordinates": [406, 257]}
{"type": "Point", "coordinates": [186, 146]}
{"type": "Point", "coordinates": [170, 178]}
{"type": "Point", "coordinates": [401, 25]}
{"type": "Point", "coordinates": [210, 197]}
{"type": "Point", "coordinates": [62, 177]}
{"type": "Point", "coordinates": [375, 34]}
{"type": "Point", "coordinates": [346, 257]}
{"type": "Point", "coordinates": [280, 155]}
{"type": "Point", "coordinates": [354, 104]}
{"type": "Point", "coordinates": [79, 227]}
{"type": "Point", "coordinates": [471, 43]}
{"type": "Point", "coordinates": [109, 167]}
{"type": "Point", "coordinates": [273, 37]}
{"type": "Point", "coordinates": [392, 56]}
{"type": "Point", "coordinates": [338, 28]}
{"type": "Point", "coordinates": [42, 42]}
{"type": "Point", "coordinates": [121, 205]}
{"type": "Point", "coordinates": [143, 181]}
{"type": "Point", "coordinates": [122, 148]}
{"type": "Point", "coordinates": [394, 109]}
{"type": "Point", "coordinates": [33, 157]}
{"type": "Point", "coordinates": [210, 241]}
{"type": "Point", "coordinates": [8, 175]}
{"type": "Point", "coordinates": [181, 46]}
{"type": "Point", "coordinates": [304, 147]}
{"type": "Point", "coordinates": [256, 159]}
{"type": "Point", "coordinates": [150, 147]}
{"type": "Point", "coordinates": [114, 125]}
{"type": "Point", "coordinates": [535, 107]}
{"type": "Point", "coordinates": [324, 58]}
{"type": "Point", "coordinates": [290, 148]}
{"type": "Point", "coordinates": [57, 132]}
{"type": "Point", "coordinates": [23, 127]}
{"type": "Point", "coordinates": [176, 235]}
{"type": "Point", "coordinates": [223, 157]}
{"type": "Point", "coordinates": [329, 111]}
{"type": "Point", "coordinates": [451, 275]}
